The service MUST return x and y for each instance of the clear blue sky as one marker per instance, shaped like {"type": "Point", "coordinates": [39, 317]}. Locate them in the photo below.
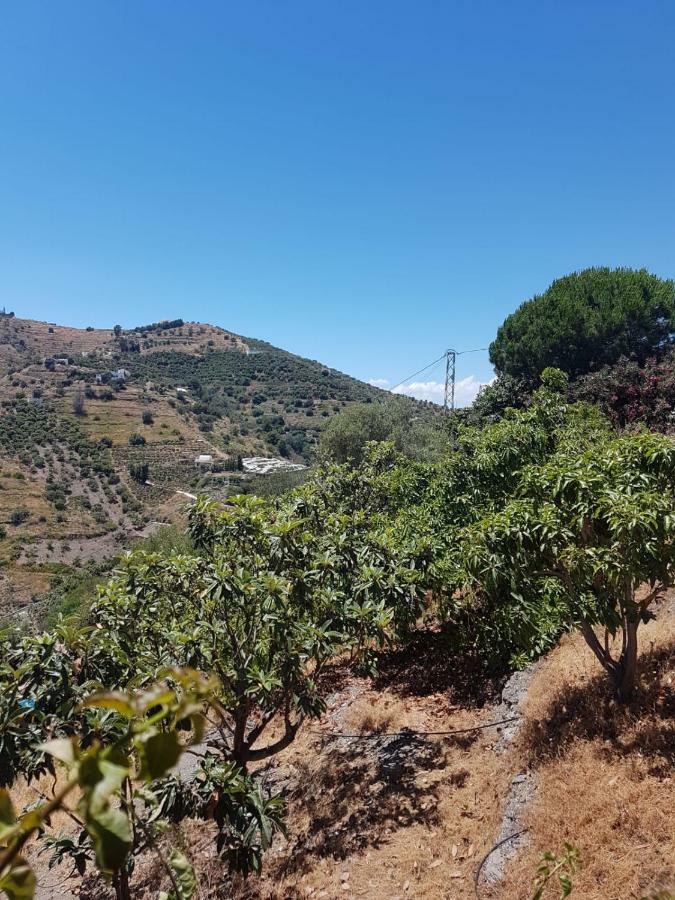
{"type": "Point", "coordinates": [361, 182]}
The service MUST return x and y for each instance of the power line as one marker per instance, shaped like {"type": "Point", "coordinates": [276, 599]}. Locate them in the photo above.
{"type": "Point", "coordinates": [450, 357]}
{"type": "Point", "coordinates": [415, 374]}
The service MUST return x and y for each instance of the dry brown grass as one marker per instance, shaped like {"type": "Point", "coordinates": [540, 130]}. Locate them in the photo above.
{"type": "Point", "coordinates": [65, 341]}
{"type": "Point", "coordinates": [360, 828]}
{"type": "Point", "coordinates": [605, 773]}
{"type": "Point", "coordinates": [60, 341]}
{"type": "Point", "coordinates": [407, 816]}
{"type": "Point", "coordinates": [122, 416]}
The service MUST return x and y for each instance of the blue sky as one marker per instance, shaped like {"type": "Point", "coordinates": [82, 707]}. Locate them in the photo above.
{"type": "Point", "coordinates": [361, 182]}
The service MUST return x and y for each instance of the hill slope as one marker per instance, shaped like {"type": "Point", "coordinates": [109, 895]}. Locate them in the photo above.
{"type": "Point", "coordinates": [85, 411]}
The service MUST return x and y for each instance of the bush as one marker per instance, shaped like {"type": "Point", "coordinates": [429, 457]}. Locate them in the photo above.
{"type": "Point", "coordinates": [147, 417]}
{"type": "Point", "coordinates": [346, 434]}
{"type": "Point", "coordinates": [136, 440]}
{"type": "Point", "coordinates": [17, 516]}
{"type": "Point", "coordinates": [629, 393]}
{"type": "Point", "coordinates": [505, 392]}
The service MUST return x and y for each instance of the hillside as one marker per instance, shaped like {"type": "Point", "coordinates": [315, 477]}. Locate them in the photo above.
{"type": "Point", "coordinates": [100, 428]}
{"type": "Point", "coordinates": [449, 679]}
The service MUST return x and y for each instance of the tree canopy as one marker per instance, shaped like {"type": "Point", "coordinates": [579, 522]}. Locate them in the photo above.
{"type": "Point", "coordinates": [586, 320]}
{"type": "Point", "coordinates": [413, 431]}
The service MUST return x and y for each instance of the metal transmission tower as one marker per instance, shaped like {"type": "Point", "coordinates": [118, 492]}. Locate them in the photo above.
{"type": "Point", "coordinates": [450, 366]}
{"type": "Point", "coordinates": [450, 357]}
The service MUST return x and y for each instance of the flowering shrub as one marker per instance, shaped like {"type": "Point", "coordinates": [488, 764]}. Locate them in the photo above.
{"type": "Point", "coordinates": [629, 393]}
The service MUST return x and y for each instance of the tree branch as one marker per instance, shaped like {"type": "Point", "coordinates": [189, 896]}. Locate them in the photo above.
{"type": "Point", "coordinates": [603, 658]}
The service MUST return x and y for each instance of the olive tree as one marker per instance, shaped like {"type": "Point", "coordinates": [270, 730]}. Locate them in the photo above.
{"type": "Point", "coordinates": [601, 525]}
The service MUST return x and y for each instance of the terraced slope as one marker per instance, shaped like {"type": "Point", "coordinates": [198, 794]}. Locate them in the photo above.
{"type": "Point", "coordinates": [99, 428]}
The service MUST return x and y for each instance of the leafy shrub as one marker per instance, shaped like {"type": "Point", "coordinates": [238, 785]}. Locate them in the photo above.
{"type": "Point", "coordinates": [139, 472]}
{"type": "Point", "coordinates": [136, 440]}
{"type": "Point", "coordinates": [18, 516]}
{"type": "Point", "coordinates": [629, 393]}
{"type": "Point", "coordinates": [79, 408]}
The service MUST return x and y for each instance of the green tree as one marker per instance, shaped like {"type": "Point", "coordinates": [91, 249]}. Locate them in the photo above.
{"type": "Point", "coordinates": [418, 435]}
{"type": "Point", "coordinates": [79, 408]}
{"type": "Point", "coordinates": [599, 526]}
{"type": "Point", "coordinates": [18, 516]}
{"type": "Point", "coordinates": [139, 471]}
{"type": "Point", "coordinates": [107, 784]}
{"type": "Point", "coordinates": [505, 392]}
{"type": "Point", "coordinates": [587, 320]}
{"type": "Point", "coordinates": [345, 436]}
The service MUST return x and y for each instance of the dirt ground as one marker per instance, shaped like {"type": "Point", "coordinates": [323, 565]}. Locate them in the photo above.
{"type": "Point", "coordinates": [376, 810]}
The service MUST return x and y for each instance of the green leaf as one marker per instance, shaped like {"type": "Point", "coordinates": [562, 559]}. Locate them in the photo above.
{"type": "Point", "coordinates": [184, 875]}
{"type": "Point", "coordinates": [19, 882]}
{"type": "Point", "coordinates": [62, 749]}
{"type": "Point", "coordinates": [110, 831]}
{"type": "Point", "coordinates": [565, 886]}
{"type": "Point", "coordinates": [159, 753]}
{"type": "Point", "coordinates": [116, 700]}
{"type": "Point", "coordinates": [99, 778]}
{"type": "Point", "coordinates": [7, 815]}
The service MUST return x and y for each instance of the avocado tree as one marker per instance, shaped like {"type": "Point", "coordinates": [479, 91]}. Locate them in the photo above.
{"type": "Point", "coordinates": [600, 526]}
{"type": "Point", "coordinates": [105, 783]}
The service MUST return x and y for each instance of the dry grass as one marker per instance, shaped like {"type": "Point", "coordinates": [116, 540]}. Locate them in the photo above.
{"type": "Point", "coordinates": [407, 816]}
{"type": "Point", "coordinates": [60, 340]}
{"type": "Point", "coordinates": [122, 416]}
{"type": "Point", "coordinates": [362, 828]}
{"type": "Point", "coordinates": [44, 339]}
{"type": "Point", "coordinates": [605, 773]}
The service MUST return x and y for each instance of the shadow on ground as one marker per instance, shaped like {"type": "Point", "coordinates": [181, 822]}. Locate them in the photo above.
{"type": "Point", "coordinates": [589, 712]}
{"type": "Point", "coordinates": [361, 792]}
{"type": "Point", "coordinates": [429, 664]}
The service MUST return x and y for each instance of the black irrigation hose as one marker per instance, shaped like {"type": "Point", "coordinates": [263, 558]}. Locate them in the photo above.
{"type": "Point", "coordinates": [509, 837]}
{"type": "Point", "coordinates": [374, 735]}
{"type": "Point", "coordinates": [409, 733]}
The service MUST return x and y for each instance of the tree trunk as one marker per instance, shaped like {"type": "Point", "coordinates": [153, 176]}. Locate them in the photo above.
{"type": "Point", "coordinates": [239, 744]}
{"type": "Point", "coordinates": [624, 677]}
{"type": "Point", "coordinates": [622, 671]}
{"type": "Point", "coordinates": [121, 885]}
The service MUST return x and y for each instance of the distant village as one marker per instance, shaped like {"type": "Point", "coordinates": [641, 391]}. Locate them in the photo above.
{"type": "Point", "coordinates": [59, 362]}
